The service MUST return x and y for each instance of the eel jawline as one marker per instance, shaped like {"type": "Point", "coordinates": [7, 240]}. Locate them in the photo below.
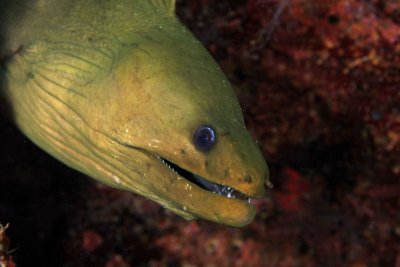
{"type": "Point", "coordinates": [222, 190]}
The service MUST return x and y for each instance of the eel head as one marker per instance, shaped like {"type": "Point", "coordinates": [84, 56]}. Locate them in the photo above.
{"type": "Point", "coordinates": [137, 104]}
{"type": "Point", "coordinates": [181, 128]}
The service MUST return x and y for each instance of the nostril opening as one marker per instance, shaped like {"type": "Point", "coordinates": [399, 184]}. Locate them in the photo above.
{"type": "Point", "coordinates": [226, 173]}
{"type": "Point", "coordinates": [248, 179]}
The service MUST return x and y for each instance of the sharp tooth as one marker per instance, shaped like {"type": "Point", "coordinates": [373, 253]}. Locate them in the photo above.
{"type": "Point", "coordinates": [221, 190]}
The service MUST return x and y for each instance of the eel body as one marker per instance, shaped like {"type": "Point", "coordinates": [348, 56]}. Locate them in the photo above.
{"type": "Point", "coordinates": [120, 90]}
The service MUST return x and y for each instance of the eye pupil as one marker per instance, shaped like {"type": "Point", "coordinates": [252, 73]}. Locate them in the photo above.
{"type": "Point", "coordinates": [204, 137]}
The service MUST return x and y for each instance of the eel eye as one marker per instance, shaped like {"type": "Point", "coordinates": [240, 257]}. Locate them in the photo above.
{"type": "Point", "coordinates": [204, 138]}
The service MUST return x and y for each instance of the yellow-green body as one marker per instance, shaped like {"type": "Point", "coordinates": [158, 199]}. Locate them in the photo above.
{"type": "Point", "coordinates": [107, 86]}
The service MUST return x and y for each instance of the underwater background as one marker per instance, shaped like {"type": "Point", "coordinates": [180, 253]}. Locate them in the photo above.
{"type": "Point", "coordinates": [319, 84]}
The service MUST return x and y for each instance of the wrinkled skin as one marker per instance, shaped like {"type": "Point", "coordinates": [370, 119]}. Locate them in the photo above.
{"type": "Point", "coordinates": [109, 87]}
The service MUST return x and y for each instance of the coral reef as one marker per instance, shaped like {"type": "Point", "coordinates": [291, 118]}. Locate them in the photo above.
{"type": "Point", "coordinates": [6, 259]}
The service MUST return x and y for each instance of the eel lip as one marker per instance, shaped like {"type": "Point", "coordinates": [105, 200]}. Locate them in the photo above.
{"type": "Point", "coordinates": [205, 184]}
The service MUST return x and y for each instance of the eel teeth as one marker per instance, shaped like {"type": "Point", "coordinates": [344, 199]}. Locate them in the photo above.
{"type": "Point", "coordinates": [221, 190]}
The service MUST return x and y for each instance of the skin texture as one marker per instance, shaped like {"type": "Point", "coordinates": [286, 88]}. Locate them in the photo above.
{"type": "Point", "coordinates": [108, 86]}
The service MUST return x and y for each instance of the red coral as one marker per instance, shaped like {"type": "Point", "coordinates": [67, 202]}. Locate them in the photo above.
{"type": "Point", "coordinates": [91, 240]}
{"type": "Point", "coordinates": [117, 261]}
{"type": "Point", "coordinates": [294, 189]}
{"type": "Point", "coordinates": [6, 260]}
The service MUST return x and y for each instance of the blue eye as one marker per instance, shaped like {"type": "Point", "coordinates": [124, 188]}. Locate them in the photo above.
{"type": "Point", "coordinates": [204, 138]}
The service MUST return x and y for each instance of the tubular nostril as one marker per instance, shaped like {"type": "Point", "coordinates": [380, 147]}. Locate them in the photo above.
{"type": "Point", "coordinates": [268, 182]}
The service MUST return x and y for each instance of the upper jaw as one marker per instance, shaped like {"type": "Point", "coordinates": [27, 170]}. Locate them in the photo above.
{"type": "Point", "coordinates": [205, 184]}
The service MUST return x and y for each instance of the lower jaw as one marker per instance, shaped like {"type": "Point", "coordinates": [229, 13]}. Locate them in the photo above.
{"type": "Point", "coordinates": [231, 212]}
{"type": "Point", "coordinates": [191, 200]}
{"type": "Point", "coordinates": [194, 202]}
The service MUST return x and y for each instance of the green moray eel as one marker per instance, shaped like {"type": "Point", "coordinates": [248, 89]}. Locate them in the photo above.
{"type": "Point", "coordinates": [120, 90]}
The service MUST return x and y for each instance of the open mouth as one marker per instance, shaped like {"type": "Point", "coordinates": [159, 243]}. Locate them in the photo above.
{"type": "Point", "coordinates": [222, 190]}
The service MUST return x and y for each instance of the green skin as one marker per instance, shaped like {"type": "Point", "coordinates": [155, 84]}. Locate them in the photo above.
{"type": "Point", "coordinates": [107, 86]}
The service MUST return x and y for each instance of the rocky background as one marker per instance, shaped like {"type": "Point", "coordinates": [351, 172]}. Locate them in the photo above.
{"type": "Point", "coordinates": [319, 83]}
